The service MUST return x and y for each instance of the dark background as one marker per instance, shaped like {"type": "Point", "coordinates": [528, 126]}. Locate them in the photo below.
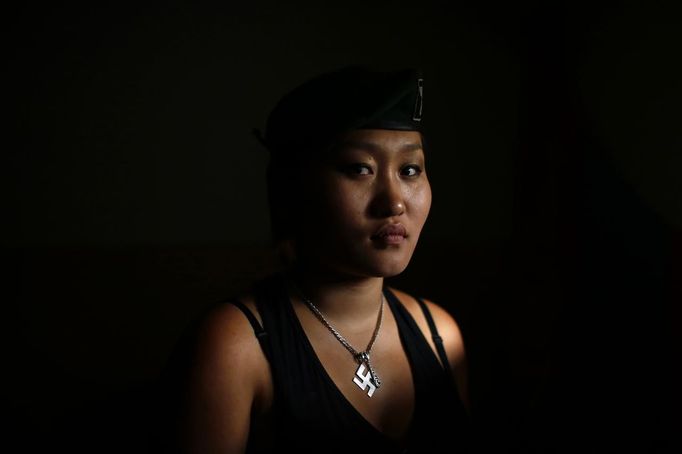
{"type": "Point", "coordinates": [136, 198]}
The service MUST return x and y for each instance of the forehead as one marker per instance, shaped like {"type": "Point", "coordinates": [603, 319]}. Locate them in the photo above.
{"type": "Point", "coordinates": [376, 140]}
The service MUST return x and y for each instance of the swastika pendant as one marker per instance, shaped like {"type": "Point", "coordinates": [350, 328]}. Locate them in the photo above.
{"type": "Point", "coordinates": [366, 381]}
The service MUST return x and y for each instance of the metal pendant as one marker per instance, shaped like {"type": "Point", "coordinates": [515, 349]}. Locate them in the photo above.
{"type": "Point", "coordinates": [368, 381]}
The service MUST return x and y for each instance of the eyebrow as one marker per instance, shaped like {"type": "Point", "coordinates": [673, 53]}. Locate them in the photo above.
{"type": "Point", "coordinates": [369, 146]}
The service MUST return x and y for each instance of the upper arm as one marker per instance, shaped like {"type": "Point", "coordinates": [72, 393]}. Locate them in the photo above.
{"type": "Point", "coordinates": [223, 384]}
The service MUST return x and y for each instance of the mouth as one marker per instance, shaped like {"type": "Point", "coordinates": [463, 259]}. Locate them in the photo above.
{"type": "Point", "coordinates": [390, 234]}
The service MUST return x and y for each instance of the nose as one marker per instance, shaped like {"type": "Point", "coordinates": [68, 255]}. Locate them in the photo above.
{"type": "Point", "coordinates": [389, 200]}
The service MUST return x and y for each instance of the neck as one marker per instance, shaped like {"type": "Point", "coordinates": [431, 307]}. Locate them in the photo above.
{"type": "Point", "coordinates": [339, 297]}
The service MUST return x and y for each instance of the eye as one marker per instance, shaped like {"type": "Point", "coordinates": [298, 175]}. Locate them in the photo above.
{"type": "Point", "coordinates": [358, 169]}
{"type": "Point", "coordinates": [411, 171]}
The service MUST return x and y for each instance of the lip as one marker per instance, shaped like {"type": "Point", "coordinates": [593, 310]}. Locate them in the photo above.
{"type": "Point", "coordinates": [390, 234]}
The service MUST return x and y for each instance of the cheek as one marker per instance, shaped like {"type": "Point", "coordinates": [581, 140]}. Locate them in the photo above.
{"type": "Point", "coordinates": [345, 205]}
{"type": "Point", "coordinates": [420, 203]}
{"type": "Point", "coordinates": [333, 207]}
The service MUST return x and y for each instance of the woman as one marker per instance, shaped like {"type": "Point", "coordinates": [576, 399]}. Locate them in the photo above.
{"type": "Point", "coordinates": [323, 356]}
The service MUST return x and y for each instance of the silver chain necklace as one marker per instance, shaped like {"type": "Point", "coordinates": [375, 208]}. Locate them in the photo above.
{"type": "Point", "coordinates": [367, 381]}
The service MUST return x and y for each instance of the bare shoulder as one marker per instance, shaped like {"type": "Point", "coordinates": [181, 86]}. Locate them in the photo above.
{"type": "Point", "coordinates": [447, 326]}
{"type": "Point", "coordinates": [228, 379]}
{"type": "Point", "coordinates": [227, 356]}
{"type": "Point", "coordinates": [224, 328]}
{"type": "Point", "coordinates": [225, 339]}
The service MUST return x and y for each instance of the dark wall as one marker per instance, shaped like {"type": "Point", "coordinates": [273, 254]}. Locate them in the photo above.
{"type": "Point", "coordinates": [136, 198]}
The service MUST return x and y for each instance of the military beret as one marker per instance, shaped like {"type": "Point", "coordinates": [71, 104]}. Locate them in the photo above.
{"type": "Point", "coordinates": [312, 115]}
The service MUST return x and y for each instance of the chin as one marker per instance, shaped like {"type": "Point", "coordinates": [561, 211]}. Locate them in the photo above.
{"type": "Point", "coordinates": [388, 263]}
{"type": "Point", "coordinates": [364, 262]}
{"type": "Point", "coordinates": [385, 266]}
{"type": "Point", "coordinates": [390, 272]}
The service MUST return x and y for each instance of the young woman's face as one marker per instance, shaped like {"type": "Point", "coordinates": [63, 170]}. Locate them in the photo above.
{"type": "Point", "coordinates": [367, 202]}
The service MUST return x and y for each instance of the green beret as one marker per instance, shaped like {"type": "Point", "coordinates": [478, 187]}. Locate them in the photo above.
{"type": "Point", "coordinates": [312, 115]}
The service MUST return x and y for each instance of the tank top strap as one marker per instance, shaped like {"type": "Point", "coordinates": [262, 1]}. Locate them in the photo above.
{"type": "Point", "coordinates": [411, 323]}
{"type": "Point", "coordinates": [437, 340]}
{"type": "Point", "coordinates": [258, 329]}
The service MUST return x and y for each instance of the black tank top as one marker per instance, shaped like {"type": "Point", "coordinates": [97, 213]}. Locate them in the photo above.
{"type": "Point", "coordinates": [311, 414]}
